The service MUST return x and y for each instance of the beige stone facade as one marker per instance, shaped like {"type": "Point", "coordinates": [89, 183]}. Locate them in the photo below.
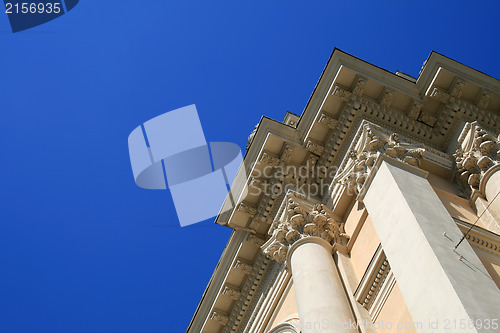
{"type": "Point", "coordinates": [376, 210]}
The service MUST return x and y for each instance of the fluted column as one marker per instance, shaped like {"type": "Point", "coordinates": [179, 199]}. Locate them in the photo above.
{"type": "Point", "coordinates": [304, 237]}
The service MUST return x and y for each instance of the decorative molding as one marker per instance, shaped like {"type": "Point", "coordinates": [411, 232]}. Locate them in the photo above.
{"type": "Point", "coordinates": [252, 287]}
{"type": "Point", "coordinates": [269, 158]}
{"type": "Point", "coordinates": [299, 222]}
{"type": "Point", "coordinates": [256, 240]}
{"type": "Point", "coordinates": [414, 109]}
{"type": "Point", "coordinates": [247, 209]}
{"type": "Point", "coordinates": [371, 142]}
{"type": "Point", "coordinates": [427, 119]}
{"type": "Point", "coordinates": [382, 294]}
{"type": "Point", "coordinates": [286, 153]}
{"type": "Point", "coordinates": [341, 92]}
{"type": "Point", "coordinates": [365, 110]}
{"type": "Point", "coordinates": [233, 292]}
{"type": "Point", "coordinates": [359, 85]}
{"type": "Point", "coordinates": [243, 265]}
{"type": "Point", "coordinates": [314, 147]}
{"type": "Point", "coordinates": [483, 99]}
{"type": "Point", "coordinates": [368, 293]}
{"type": "Point", "coordinates": [251, 136]}
{"type": "Point", "coordinates": [457, 87]}
{"type": "Point", "coordinates": [480, 238]}
{"type": "Point", "coordinates": [330, 122]}
{"type": "Point", "coordinates": [220, 317]}
{"type": "Point", "coordinates": [385, 99]}
{"type": "Point", "coordinates": [477, 152]}
{"type": "Point", "coordinates": [481, 243]}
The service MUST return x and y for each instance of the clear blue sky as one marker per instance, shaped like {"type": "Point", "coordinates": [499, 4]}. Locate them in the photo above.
{"type": "Point", "coordinates": [82, 248]}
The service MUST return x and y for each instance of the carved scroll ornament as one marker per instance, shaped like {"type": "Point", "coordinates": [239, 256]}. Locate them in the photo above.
{"type": "Point", "coordinates": [298, 222]}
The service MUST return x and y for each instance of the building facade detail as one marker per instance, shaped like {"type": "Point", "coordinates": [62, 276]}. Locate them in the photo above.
{"type": "Point", "coordinates": [477, 154]}
{"type": "Point", "coordinates": [300, 223]}
{"type": "Point", "coordinates": [370, 143]}
{"type": "Point", "coordinates": [405, 226]}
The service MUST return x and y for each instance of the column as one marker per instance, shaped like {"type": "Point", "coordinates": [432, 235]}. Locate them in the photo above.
{"type": "Point", "coordinates": [492, 189]}
{"type": "Point", "coordinates": [442, 288]}
{"type": "Point", "coordinates": [321, 299]}
{"type": "Point", "coordinates": [303, 238]}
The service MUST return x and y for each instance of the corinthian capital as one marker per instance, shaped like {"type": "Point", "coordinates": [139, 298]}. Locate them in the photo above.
{"type": "Point", "coordinates": [477, 154]}
{"type": "Point", "coordinates": [370, 143]}
{"type": "Point", "coordinates": [300, 221]}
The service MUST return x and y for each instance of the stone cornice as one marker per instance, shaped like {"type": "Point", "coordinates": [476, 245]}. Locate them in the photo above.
{"type": "Point", "coordinates": [415, 123]}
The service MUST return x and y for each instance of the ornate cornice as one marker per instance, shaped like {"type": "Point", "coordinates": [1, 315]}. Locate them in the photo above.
{"type": "Point", "coordinates": [253, 286]}
{"type": "Point", "coordinates": [476, 155]}
{"type": "Point", "coordinates": [300, 221]}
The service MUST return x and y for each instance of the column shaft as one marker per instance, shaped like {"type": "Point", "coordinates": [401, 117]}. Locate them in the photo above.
{"type": "Point", "coordinates": [321, 299]}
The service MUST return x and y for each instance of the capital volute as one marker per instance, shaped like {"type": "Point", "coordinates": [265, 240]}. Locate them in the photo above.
{"type": "Point", "coordinates": [301, 220]}
{"type": "Point", "coordinates": [477, 155]}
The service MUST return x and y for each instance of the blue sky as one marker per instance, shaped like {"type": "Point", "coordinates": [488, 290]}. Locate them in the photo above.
{"type": "Point", "coordinates": [82, 248]}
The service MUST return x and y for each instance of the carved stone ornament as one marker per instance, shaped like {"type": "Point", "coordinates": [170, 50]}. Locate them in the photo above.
{"type": "Point", "coordinates": [300, 221]}
{"type": "Point", "coordinates": [251, 136]}
{"type": "Point", "coordinates": [477, 152]}
{"type": "Point", "coordinates": [220, 317]}
{"type": "Point", "coordinates": [370, 142]}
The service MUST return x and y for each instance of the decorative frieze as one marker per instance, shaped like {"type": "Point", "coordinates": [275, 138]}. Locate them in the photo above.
{"type": "Point", "coordinates": [300, 222]}
{"type": "Point", "coordinates": [477, 152]}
